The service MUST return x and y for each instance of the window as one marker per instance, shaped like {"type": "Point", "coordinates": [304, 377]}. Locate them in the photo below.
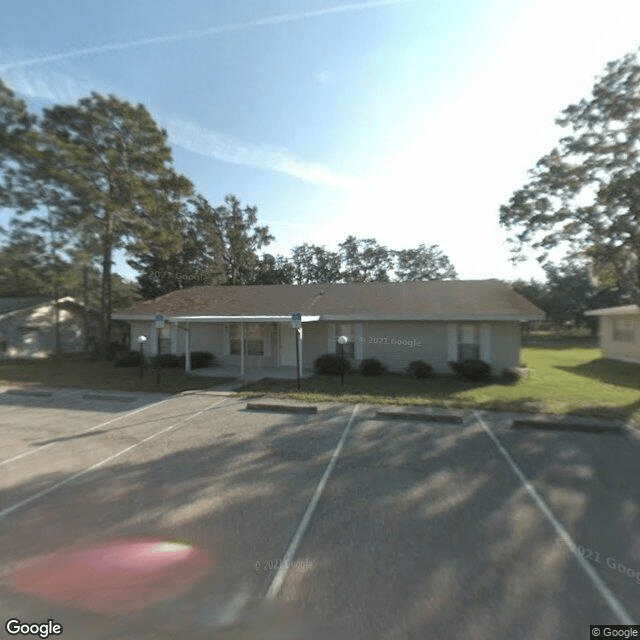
{"type": "Point", "coordinates": [468, 342]}
{"type": "Point", "coordinates": [623, 330]}
{"type": "Point", "coordinates": [350, 347]}
{"type": "Point", "coordinates": [165, 339]}
{"type": "Point", "coordinates": [253, 337]}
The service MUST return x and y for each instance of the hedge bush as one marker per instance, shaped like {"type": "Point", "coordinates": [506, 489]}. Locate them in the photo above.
{"type": "Point", "coordinates": [511, 376]}
{"type": "Point", "coordinates": [128, 359]}
{"type": "Point", "coordinates": [419, 369]}
{"type": "Point", "coordinates": [472, 369]}
{"type": "Point", "coordinates": [115, 349]}
{"type": "Point", "coordinates": [330, 363]}
{"type": "Point", "coordinates": [165, 361]}
{"type": "Point", "coordinates": [372, 367]}
{"type": "Point", "coordinates": [200, 359]}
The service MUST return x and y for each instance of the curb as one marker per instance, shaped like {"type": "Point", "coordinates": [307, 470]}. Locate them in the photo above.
{"type": "Point", "coordinates": [455, 418]}
{"type": "Point", "coordinates": [22, 392]}
{"type": "Point", "coordinates": [286, 408]}
{"type": "Point", "coordinates": [101, 396]}
{"type": "Point", "coordinates": [565, 425]}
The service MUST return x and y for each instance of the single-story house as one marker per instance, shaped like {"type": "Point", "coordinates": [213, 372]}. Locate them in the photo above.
{"type": "Point", "coordinates": [28, 327]}
{"type": "Point", "coordinates": [250, 326]}
{"type": "Point", "coordinates": [619, 333]}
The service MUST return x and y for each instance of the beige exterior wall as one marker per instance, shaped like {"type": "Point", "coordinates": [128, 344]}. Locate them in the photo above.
{"type": "Point", "coordinates": [620, 349]}
{"type": "Point", "coordinates": [505, 346]}
{"type": "Point", "coordinates": [396, 344]}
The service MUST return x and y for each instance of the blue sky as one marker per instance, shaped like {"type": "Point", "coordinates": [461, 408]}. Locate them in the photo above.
{"type": "Point", "coordinates": [407, 121]}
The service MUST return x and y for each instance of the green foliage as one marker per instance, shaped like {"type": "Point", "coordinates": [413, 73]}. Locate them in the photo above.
{"type": "Point", "coordinates": [511, 376]}
{"type": "Point", "coordinates": [585, 194]}
{"type": "Point", "coordinates": [372, 367]}
{"type": "Point", "coordinates": [419, 369]}
{"type": "Point", "coordinates": [330, 363]}
{"type": "Point", "coordinates": [423, 263]}
{"type": "Point", "coordinates": [200, 360]}
{"type": "Point", "coordinates": [128, 359]}
{"type": "Point", "coordinates": [165, 361]}
{"type": "Point", "coordinates": [365, 260]}
{"type": "Point", "coordinates": [273, 270]}
{"type": "Point", "coordinates": [471, 369]}
{"type": "Point", "coordinates": [312, 263]}
{"type": "Point", "coordinates": [115, 349]}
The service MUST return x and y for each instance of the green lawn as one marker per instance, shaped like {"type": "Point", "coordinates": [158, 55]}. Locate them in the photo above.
{"type": "Point", "coordinates": [72, 371]}
{"type": "Point", "coordinates": [563, 379]}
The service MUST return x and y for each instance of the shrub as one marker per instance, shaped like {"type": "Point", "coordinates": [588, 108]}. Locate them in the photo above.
{"type": "Point", "coordinates": [372, 367]}
{"type": "Point", "coordinates": [115, 349]}
{"type": "Point", "coordinates": [471, 369]}
{"type": "Point", "coordinates": [330, 363]}
{"type": "Point", "coordinates": [510, 376]}
{"type": "Point", "coordinates": [165, 361]}
{"type": "Point", "coordinates": [200, 359]}
{"type": "Point", "coordinates": [419, 369]}
{"type": "Point", "coordinates": [127, 359]}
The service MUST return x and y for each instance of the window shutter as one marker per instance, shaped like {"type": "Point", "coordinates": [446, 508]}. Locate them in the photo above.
{"type": "Point", "coordinates": [331, 338]}
{"type": "Point", "coordinates": [358, 341]}
{"type": "Point", "coordinates": [485, 342]}
{"type": "Point", "coordinates": [452, 342]}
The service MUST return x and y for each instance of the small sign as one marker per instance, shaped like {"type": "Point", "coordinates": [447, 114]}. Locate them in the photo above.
{"type": "Point", "coordinates": [296, 320]}
{"type": "Point", "coordinates": [159, 321]}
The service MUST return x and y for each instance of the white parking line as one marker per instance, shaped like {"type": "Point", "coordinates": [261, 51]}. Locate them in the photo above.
{"type": "Point", "coordinates": [69, 479]}
{"type": "Point", "coordinates": [274, 589]}
{"type": "Point", "coordinates": [611, 600]}
{"type": "Point", "coordinates": [102, 424]}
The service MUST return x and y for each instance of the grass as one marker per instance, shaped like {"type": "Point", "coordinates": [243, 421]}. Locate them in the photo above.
{"type": "Point", "coordinates": [73, 371]}
{"type": "Point", "coordinates": [565, 380]}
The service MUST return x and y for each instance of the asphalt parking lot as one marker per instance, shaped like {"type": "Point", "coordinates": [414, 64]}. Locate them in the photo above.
{"type": "Point", "coordinates": [378, 527]}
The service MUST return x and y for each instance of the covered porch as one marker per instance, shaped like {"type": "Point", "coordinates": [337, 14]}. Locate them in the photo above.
{"type": "Point", "coordinates": [252, 353]}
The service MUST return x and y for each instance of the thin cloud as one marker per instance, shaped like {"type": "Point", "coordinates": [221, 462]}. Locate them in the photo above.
{"type": "Point", "coordinates": [197, 139]}
{"type": "Point", "coordinates": [186, 35]}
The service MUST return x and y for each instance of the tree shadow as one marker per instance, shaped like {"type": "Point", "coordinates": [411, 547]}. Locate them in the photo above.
{"type": "Point", "coordinates": [621, 374]}
{"type": "Point", "coordinates": [422, 531]}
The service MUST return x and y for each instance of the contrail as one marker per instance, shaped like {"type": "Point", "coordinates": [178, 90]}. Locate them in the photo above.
{"type": "Point", "coordinates": [185, 35]}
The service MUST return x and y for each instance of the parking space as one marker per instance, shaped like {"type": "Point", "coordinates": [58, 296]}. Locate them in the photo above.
{"type": "Point", "coordinates": [410, 529]}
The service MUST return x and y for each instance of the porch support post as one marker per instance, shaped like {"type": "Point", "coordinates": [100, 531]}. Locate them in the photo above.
{"type": "Point", "coordinates": [187, 354]}
{"type": "Point", "coordinates": [242, 349]}
{"type": "Point", "coordinates": [278, 345]}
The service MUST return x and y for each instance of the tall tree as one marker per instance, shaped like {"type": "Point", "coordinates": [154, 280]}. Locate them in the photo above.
{"type": "Point", "coordinates": [365, 260]}
{"type": "Point", "coordinates": [586, 191]}
{"type": "Point", "coordinates": [423, 263]}
{"type": "Point", "coordinates": [312, 263]}
{"type": "Point", "coordinates": [17, 138]}
{"type": "Point", "coordinates": [239, 237]}
{"type": "Point", "coordinates": [106, 172]}
{"type": "Point", "coordinates": [273, 270]}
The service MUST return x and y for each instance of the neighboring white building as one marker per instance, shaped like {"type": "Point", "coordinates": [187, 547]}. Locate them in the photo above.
{"type": "Point", "coordinates": [619, 332]}
{"type": "Point", "coordinates": [250, 326]}
{"type": "Point", "coordinates": [27, 327]}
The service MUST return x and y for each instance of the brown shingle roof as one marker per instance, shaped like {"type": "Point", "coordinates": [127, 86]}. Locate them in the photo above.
{"type": "Point", "coordinates": [440, 299]}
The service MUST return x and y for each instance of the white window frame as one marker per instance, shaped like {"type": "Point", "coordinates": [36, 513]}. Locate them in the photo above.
{"type": "Point", "coordinates": [254, 332]}
{"type": "Point", "coordinates": [467, 335]}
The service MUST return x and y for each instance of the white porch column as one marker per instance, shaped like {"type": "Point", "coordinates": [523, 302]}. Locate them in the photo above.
{"type": "Point", "coordinates": [278, 345]}
{"type": "Point", "coordinates": [242, 349]}
{"type": "Point", "coordinates": [187, 353]}
{"type": "Point", "coordinates": [300, 351]}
